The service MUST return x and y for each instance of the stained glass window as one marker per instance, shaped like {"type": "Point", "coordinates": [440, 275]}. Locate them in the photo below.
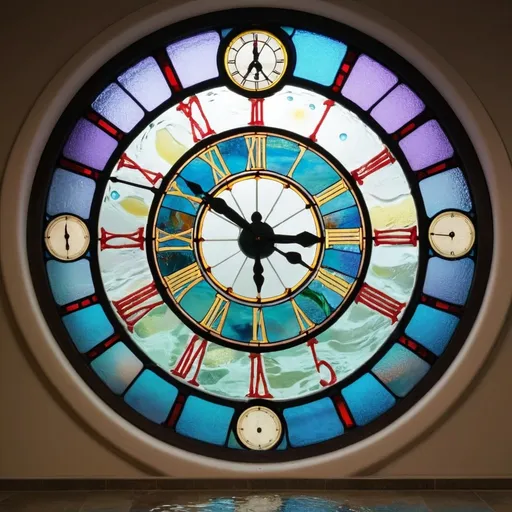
{"type": "Point", "coordinates": [261, 238]}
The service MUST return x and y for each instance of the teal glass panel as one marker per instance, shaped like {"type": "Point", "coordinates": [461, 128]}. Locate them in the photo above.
{"type": "Point", "coordinates": [198, 300]}
{"type": "Point", "coordinates": [200, 172]}
{"type": "Point", "coordinates": [432, 328]}
{"type": "Point", "coordinates": [314, 303]}
{"type": "Point", "coordinates": [181, 204]}
{"type": "Point", "coordinates": [449, 280]}
{"type": "Point", "coordinates": [312, 423]}
{"type": "Point", "coordinates": [367, 399]}
{"type": "Point", "coordinates": [88, 326]}
{"type": "Point", "coordinates": [69, 281]}
{"type": "Point", "coordinates": [151, 396]}
{"type": "Point", "coordinates": [342, 261]}
{"type": "Point", "coordinates": [234, 152]}
{"type": "Point", "coordinates": [318, 57]}
{"type": "Point", "coordinates": [400, 370]}
{"type": "Point", "coordinates": [280, 322]}
{"type": "Point", "coordinates": [117, 367]}
{"type": "Point", "coordinates": [341, 211]}
{"type": "Point", "coordinates": [444, 191]}
{"type": "Point", "coordinates": [283, 445]}
{"type": "Point", "coordinates": [238, 324]}
{"type": "Point", "coordinates": [233, 443]}
{"type": "Point", "coordinates": [314, 173]}
{"type": "Point", "coordinates": [70, 193]}
{"type": "Point", "coordinates": [170, 262]}
{"type": "Point", "coordinates": [172, 221]}
{"type": "Point", "coordinates": [288, 30]}
{"type": "Point", "coordinates": [225, 31]}
{"type": "Point", "coordinates": [331, 297]}
{"type": "Point", "coordinates": [205, 421]}
{"type": "Point", "coordinates": [281, 154]}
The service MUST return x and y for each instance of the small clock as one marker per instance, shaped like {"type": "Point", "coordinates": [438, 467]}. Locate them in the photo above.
{"type": "Point", "coordinates": [67, 237]}
{"type": "Point", "coordinates": [256, 60]}
{"type": "Point", "coordinates": [259, 428]}
{"type": "Point", "coordinates": [452, 234]}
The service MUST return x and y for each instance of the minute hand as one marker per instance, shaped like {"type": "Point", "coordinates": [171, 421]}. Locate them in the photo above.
{"type": "Point", "coordinates": [305, 239]}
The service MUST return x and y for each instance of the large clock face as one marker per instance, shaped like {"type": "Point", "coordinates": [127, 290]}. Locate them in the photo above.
{"type": "Point", "coordinates": [259, 242]}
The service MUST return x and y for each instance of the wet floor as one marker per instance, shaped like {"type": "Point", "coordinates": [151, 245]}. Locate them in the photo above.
{"type": "Point", "coordinates": [234, 501]}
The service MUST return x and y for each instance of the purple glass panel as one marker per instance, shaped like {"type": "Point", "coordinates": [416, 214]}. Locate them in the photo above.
{"type": "Point", "coordinates": [89, 145]}
{"type": "Point", "coordinates": [146, 83]}
{"type": "Point", "coordinates": [398, 107]}
{"type": "Point", "coordinates": [117, 107]}
{"type": "Point", "coordinates": [368, 82]}
{"type": "Point", "coordinates": [195, 58]}
{"type": "Point", "coordinates": [426, 146]}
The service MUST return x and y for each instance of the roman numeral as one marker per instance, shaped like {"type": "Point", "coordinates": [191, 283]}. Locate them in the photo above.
{"type": "Point", "coordinates": [333, 282]}
{"type": "Point", "coordinates": [200, 127]}
{"type": "Point", "coordinates": [383, 159]}
{"type": "Point", "coordinates": [256, 112]}
{"type": "Point", "coordinates": [214, 159]}
{"type": "Point", "coordinates": [401, 236]}
{"type": "Point", "coordinates": [328, 105]}
{"type": "Point", "coordinates": [132, 308]}
{"type": "Point", "coordinates": [331, 192]}
{"type": "Point", "coordinates": [183, 280]}
{"type": "Point", "coordinates": [110, 240]}
{"type": "Point", "coordinates": [259, 332]}
{"type": "Point", "coordinates": [258, 384]}
{"type": "Point", "coordinates": [380, 302]}
{"type": "Point", "coordinates": [216, 316]}
{"type": "Point", "coordinates": [174, 190]}
{"type": "Point", "coordinates": [352, 236]}
{"type": "Point", "coordinates": [162, 237]}
{"type": "Point", "coordinates": [320, 362]}
{"type": "Point", "coordinates": [191, 357]}
{"type": "Point", "coordinates": [257, 149]}
{"type": "Point", "coordinates": [302, 150]}
{"type": "Point", "coordinates": [128, 163]}
{"type": "Point", "coordinates": [304, 322]}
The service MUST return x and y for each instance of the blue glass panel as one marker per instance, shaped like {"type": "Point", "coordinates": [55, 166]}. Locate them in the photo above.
{"type": "Point", "coordinates": [168, 262]}
{"type": "Point", "coordinates": [235, 153]}
{"type": "Point", "coordinates": [312, 423]}
{"type": "Point", "coordinates": [180, 204]}
{"type": "Point", "coordinates": [314, 173]}
{"type": "Point", "coordinates": [318, 57]}
{"type": "Point", "coordinates": [281, 154]}
{"type": "Point", "coordinates": [70, 193]}
{"type": "Point", "coordinates": [198, 300]}
{"type": "Point", "coordinates": [341, 212]}
{"type": "Point", "coordinates": [288, 30]}
{"type": "Point", "coordinates": [199, 172]}
{"type": "Point", "coordinates": [233, 443]}
{"type": "Point", "coordinates": [449, 280]}
{"type": "Point", "coordinates": [172, 221]}
{"type": "Point", "coordinates": [446, 190]}
{"type": "Point", "coordinates": [117, 367]}
{"type": "Point", "coordinates": [151, 396]}
{"type": "Point", "coordinates": [280, 322]}
{"type": "Point", "coordinates": [342, 261]}
{"type": "Point", "coordinates": [69, 281]}
{"type": "Point", "coordinates": [400, 370]}
{"type": "Point", "coordinates": [205, 421]}
{"type": "Point", "coordinates": [238, 325]}
{"type": "Point", "coordinates": [332, 298]}
{"type": "Point", "coordinates": [314, 303]}
{"type": "Point", "coordinates": [367, 399]}
{"type": "Point", "coordinates": [432, 328]}
{"type": "Point", "coordinates": [87, 327]}
{"type": "Point", "coordinates": [225, 31]}
{"type": "Point", "coordinates": [118, 108]}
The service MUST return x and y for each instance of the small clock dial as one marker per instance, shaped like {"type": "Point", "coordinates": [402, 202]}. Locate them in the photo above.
{"type": "Point", "coordinates": [67, 237]}
{"type": "Point", "coordinates": [452, 234]}
{"type": "Point", "coordinates": [256, 60]}
{"type": "Point", "coordinates": [259, 428]}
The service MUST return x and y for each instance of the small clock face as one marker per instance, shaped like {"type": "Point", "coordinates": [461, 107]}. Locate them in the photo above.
{"type": "Point", "coordinates": [259, 428]}
{"type": "Point", "coordinates": [67, 238]}
{"type": "Point", "coordinates": [256, 60]}
{"type": "Point", "coordinates": [452, 234]}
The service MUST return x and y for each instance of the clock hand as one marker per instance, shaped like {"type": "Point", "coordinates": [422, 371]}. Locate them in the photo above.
{"type": "Point", "coordinates": [66, 236]}
{"type": "Point", "coordinates": [294, 258]}
{"type": "Point", "coordinates": [258, 273]}
{"type": "Point", "coordinates": [451, 234]}
{"type": "Point", "coordinates": [255, 53]}
{"type": "Point", "coordinates": [305, 239]}
{"type": "Point", "coordinates": [217, 204]}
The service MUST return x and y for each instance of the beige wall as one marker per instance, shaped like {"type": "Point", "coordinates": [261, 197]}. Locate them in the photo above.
{"type": "Point", "coordinates": [38, 435]}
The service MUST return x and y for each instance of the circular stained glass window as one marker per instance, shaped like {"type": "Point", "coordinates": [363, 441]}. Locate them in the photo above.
{"type": "Point", "coordinates": [259, 235]}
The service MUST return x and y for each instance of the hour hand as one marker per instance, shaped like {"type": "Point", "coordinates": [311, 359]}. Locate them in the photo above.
{"type": "Point", "coordinates": [294, 258]}
{"type": "Point", "coordinates": [305, 239]}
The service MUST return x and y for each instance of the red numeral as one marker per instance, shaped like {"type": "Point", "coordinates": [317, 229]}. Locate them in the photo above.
{"type": "Point", "coordinates": [131, 308]}
{"type": "Point", "coordinates": [320, 362]}
{"type": "Point", "coordinates": [195, 126]}
{"type": "Point", "coordinates": [379, 161]}
{"type": "Point", "coordinates": [256, 111]}
{"type": "Point", "coordinates": [189, 358]}
{"type": "Point", "coordinates": [258, 385]}
{"type": "Point", "coordinates": [127, 162]}
{"type": "Point", "coordinates": [380, 302]}
{"type": "Point", "coordinates": [134, 240]}
{"type": "Point", "coordinates": [328, 105]}
{"type": "Point", "coordinates": [403, 236]}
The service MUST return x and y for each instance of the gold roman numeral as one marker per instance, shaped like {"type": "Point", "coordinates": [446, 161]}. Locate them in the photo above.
{"type": "Point", "coordinates": [331, 192]}
{"type": "Point", "coordinates": [333, 282]}
{"type": "Point", "coordinates": [183, 280]}
{"type": "Point", "coordinates": [174, 190]}
{"type": "Point", "coordinates": [343, 237]}
{"type": "Point", "coordinates": [163, 236]}
{"type": "Point", "coordinates": [215, 160]}
{"type": "Point", "coordinates": [304, 322]}
{"type": "Point", "coordinates": [218, 311]}
{"type": "Point", "coordinates": [259, 332]}
{"type": "Point", "coordinates": [302, 150]}
{"type": "Point", "coordinates": [257, 151]}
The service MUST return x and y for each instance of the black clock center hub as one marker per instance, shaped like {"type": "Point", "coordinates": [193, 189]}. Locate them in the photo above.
{"type": "Point", "coordinates": [256, 239]}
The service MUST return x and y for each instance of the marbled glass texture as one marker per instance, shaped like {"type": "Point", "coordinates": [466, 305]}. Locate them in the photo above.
{"type": "Point", "coordinates": [70, 281]}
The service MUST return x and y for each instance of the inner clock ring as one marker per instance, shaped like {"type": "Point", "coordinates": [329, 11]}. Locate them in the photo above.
{"type": "Point", "coordinates": [259, 238]}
